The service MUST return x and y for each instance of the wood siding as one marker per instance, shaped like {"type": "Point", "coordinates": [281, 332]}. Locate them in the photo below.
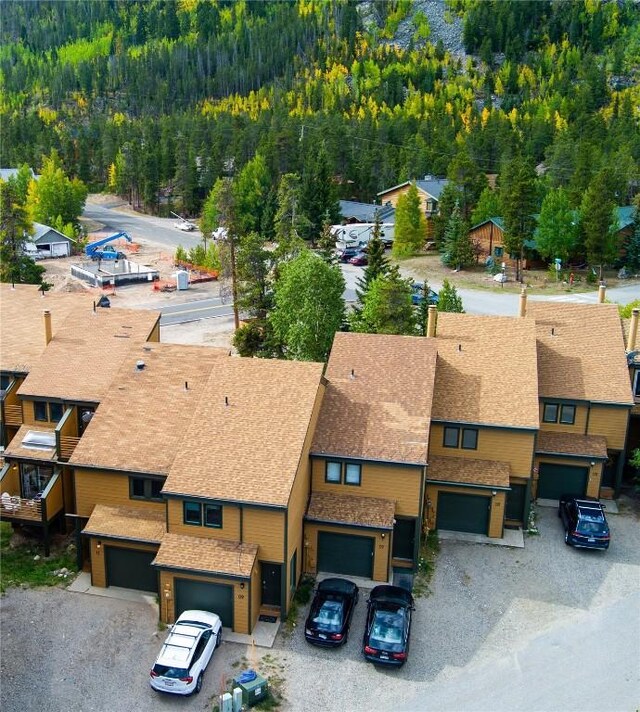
{"type": "Point", "coordinates": [109, 488]}
{"type": "Point", "coordinates": [266, 528]}
{"type": "Point", "coordinates": [496, 516]}
{"type": "Point", "coordinates": [29, 416]}
{"type": "Point", "coordinates": [55, 497]}
{"type": "Point", "coordinates": [11, 481]}
{"type": "Point", "coordinates": [514, 447]}
{"type": "Point", "coordinates": [611, 423]}
{"type": "Point", "coordinates": [256, 593]}
{"type": "Point", "coordinates": [230, 522]}
{"type": "Point", "coordinates": [398, 484]}
{"type": "Point", "coordinates": [593, 481]}
{"type": "Point", "coordinates": [241, 597]}
{"type": "Point", "coordinates": [489, 236]}
{"type": "Point", "coordinates": [99, 557]}
{"type": "Point", "coordinates": [154, 336]}
{"type": "Point", "coordinates": [579, 425]}
{"type": "Point", "coordinates": [299, 498]}
{"type": "Point", "coordinates": [380, 547]}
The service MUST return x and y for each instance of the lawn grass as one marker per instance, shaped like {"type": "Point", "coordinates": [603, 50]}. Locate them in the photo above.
{"type": "Point", "coordinates": [20, 567]}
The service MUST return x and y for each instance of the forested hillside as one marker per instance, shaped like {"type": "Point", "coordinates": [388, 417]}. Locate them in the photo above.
{"type": "Point", "coordinates": [161, 98]}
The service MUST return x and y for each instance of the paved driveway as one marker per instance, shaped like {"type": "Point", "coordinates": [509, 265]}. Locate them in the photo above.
{"type": "Point", "coordinates": [541, 628]}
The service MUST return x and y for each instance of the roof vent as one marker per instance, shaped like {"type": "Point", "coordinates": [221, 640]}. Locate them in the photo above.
{"type": "Point", "coordinates": [226, 401]}
{"type": "Point", "coordinates": [146, 348]}
{"type": "Point", "coordinates": [459, 348]}
{"type": "Point", "coordinates": [352, 375]}
{"type": "Point", "coordinates": [186, 385]}
{"type": "Point", "coordinates": [553, 331]}
{"type": "Point", "coordinates": [140, 364]}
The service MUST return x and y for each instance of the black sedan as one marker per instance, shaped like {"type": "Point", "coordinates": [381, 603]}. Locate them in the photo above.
{"type": "Point", "coordinates": [331, 611]}
{"type": "Point", "coordinates": [585, 524]}
{"type": "Point", "coordinates": [386, 635]}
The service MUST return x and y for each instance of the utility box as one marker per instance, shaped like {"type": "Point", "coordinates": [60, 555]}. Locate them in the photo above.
{"type": "Point", "coordinates": [182, 279]}
{"type": "Point", "coordinates": [254, 687]}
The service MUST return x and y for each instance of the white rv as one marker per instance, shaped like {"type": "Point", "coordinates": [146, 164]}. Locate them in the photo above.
{"type": "Point", "coordinates": [359, 234]}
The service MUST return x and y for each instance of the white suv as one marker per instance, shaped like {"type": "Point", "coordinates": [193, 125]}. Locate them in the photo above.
{"type": "Point", "coordinates": [186, 653]}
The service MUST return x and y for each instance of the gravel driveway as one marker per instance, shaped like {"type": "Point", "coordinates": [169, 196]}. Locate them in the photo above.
{"type": "Point", "coordinates": [492, 611]}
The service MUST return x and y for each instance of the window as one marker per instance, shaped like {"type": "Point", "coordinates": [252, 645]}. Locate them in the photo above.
{"type": "Point", "coordinates": [550, 413]}
{"type": "Point", "coordinates": [451, 436]}
{"type": "Point", "coordinates": [498, 251]}
{"type": "Point", "coordinates": [293, 569]}
{"type": "Point", "coordinates": [213, 515]}
{"type": "Point", "coordinates": [636, 385]}
{"type": "Point", "coordinates": [568, 414]}
{"type": "Point", "coordinates": [193, 513]}
{"type": "Point", "coordinates": [145, 488]}
{"type": "Point", "coordinates": [5, 381]}
{"type": "Point", "coordinates": [35, 479]}
{"type": "Point", "coordinates": [469, 439]}
{"type": "Point", "coordinates": [56, 411]}
{"type": "Point", "coordinates": [334, 472]}
{"type": "Point", "coordinates": [40, 410]}
{"type": "Point", "coordinates": [352, 474]}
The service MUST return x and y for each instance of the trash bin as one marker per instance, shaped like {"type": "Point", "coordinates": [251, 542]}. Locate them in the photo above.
{"type": "Point", "coordinates": [255, 688]}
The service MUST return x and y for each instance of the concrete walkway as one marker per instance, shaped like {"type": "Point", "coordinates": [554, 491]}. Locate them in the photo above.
{"type": "Point", "coordinates": [263, 636]}
{"type": "Point", "coordinates": [513, 538]}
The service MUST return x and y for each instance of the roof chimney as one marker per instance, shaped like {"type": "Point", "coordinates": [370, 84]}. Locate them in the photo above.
{"type": "Point", "coordinates": [47, 326]}
{"type": "Point", "coordinates": [602, 289]}
{"type": "Point", "coordinates": [522, 311]}
{"type": "Point", "coordinates": [432, 318]}
{"type": "Point", "coordinates": [633, 331]}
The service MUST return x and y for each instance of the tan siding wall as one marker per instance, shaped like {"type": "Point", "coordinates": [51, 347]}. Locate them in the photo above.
{"type": "Point", "coordinates": [69, 500]}
{"type": "Point", "coordinates": [380, 547]}
{"type": "Point", "coordinates": [496, 517]}
{"type": "Point", "coordinates": [256, 593]}
{"type": "Point", "coordinates": [230, 523]}
{"type": "Point", "coordinates": [593, 482]}
{"type": "Point", "coordinates": [55, 501]}
{"type": "Point", "coordinates": [155, 333]}
{"type": "Point", "coordinates": [516, 448]}
{"type": "Point", "coordinates": [265, 528]}
{"type": "Point", "coordinates": [29, 417]}
{"type": "Point", "coordinates": [611, 423]}
{"type": "Point", "coordinates": [70, 428]}
{"type": "Point", "coordinates": [99, 557]}
{"type": "Point", "coordinates": [241, 598]}
{"type": "Point", "coordinates": [579, 426]}
{"type": "Point", "coordinates": [11, 481]}
{"type": "Point", "coordinates": [110, 488]}
{"type": "Point", "coordinates": [398, 484]}
{"type": "Point", "coordinates": [299, 497]}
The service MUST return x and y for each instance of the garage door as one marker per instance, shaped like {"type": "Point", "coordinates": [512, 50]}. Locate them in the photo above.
{"type": "Point", "coordinates": [204, 596]}
{"type": "Point", "coordinates": [345, 554]}
{"type": "Point", "coordinates": [556, 480]}
{"type": "Point", "coordinates": [130, 568]}
{"type": "Point", "coordinates": [463, 512]}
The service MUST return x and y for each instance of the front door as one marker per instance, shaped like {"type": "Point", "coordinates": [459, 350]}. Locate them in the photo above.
{"type": "Point", "coordinates": [271, 584]}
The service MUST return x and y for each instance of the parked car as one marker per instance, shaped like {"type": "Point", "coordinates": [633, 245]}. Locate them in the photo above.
{"type": "Point", "coordinates": [417, 294]}
{"type": "Point", "coordinates": [331, 611]}
{"type": "Point", "coordinates": [585, 524]}
{"type": "Point", "coordinates": [185, 225]}
{"type": "Point", "coordinates": [359, 259]}
{"type": "Point", "coordinates": [386, 634]}
{"type": "Point", "coordinates": [186, 653]}
{"type": "Point", "coordinates": [345, 254]}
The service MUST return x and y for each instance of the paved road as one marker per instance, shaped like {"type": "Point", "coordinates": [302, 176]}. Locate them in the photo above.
{"type": "Point", "coordinates": [476, 301]}
{"type": "Point", "coordinates": [196, 310]}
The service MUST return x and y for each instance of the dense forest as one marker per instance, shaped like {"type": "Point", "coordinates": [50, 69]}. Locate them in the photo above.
{"type": "Point", "coordinates": [158, 99]}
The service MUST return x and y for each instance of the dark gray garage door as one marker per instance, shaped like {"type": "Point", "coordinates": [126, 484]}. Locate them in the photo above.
{"type": "Point", "coordinates": [463, 512]}
{"type": "Point", "coordinates": [204, 596]}
{"type": "Point", "coordinates": [555, 480]}
{"type": "Point", "coordinates": [345, 554]}
{"type": "Point", "coordinates": [130, 568]}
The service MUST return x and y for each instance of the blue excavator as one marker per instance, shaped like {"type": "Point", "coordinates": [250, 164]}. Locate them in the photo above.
{"type": "Point", "coordinates": [96, 251]}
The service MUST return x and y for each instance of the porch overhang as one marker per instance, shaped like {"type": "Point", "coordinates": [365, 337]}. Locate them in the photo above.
{"type": "Point", "coordinates": [462, 471]}
{"type": "Point", "coordinates": [126, 524]}
{"type": "Point", "coordinates": [335, 509]}
{"type": "Point", "coordinates": [589, 447]}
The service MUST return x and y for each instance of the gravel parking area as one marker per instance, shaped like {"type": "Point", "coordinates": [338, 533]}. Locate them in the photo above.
{"type": "Point", "coordinates": [493, 627]}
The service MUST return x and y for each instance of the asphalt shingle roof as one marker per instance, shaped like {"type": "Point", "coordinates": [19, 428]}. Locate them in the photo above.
{"type": "Point", "coordinates": [581, 352]}
{"type": "Point", "coordinates": [126, 523]}
{"type": "Point", "coordinates": [16, 448]}
{"type": "Point", "coordinates": [82, 359]}
{"type": "Point", "coordinates": [143, 416]}
{"type": "Point", "coordinates": [247, 435]}
{"type": "Point", "coordinates": [549, 443]}
{"type": "Point", "coordinates": [487, 371]}
{"type": "Point", "coordinates": [468, 471]}
{"type": "Point", "coordinates": [378, 400]}
{"type": "Point", "coordinates": [211, 556]}
{"type": "Point", "coordinates": [347, 509]}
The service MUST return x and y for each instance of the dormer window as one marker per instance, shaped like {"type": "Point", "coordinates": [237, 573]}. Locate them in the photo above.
{"type": "Point", "coordinates": [559, 413]}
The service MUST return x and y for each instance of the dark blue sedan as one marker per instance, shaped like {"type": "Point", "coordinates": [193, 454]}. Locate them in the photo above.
{"type": "Point", "coordinates": [386, 634]}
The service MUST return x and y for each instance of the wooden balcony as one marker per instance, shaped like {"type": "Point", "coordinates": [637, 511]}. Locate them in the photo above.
{"type": "Point", "coordinates": [13, 414]}
{"type": "Point", "coordinates": [14, 508]}
{"type": "Point", "coordinates": [67, 446]}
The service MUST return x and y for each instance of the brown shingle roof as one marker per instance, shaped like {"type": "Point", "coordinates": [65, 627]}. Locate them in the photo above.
{"type": "Point", "coordinates": [212, 556]}
{"type": "Point", "coordinates": [571, 444]}
{"type": "Point", "coordinates": [467, 471]}
{"type": "Point", "coordinates": [584, 358]}
{"type": "Point", "coordinates": [126, 523]}
{"type": "Point", "coordinates": [383, 411]}
{"type": "Point", "coordinates": [347, 509]}
{"type": "Point", "coordinates": [22, 324]}
{"type": "Point", "coordinates": [487, 371]}
{"type": "Point", "coordinates": [86, 352]}
{"type": "Point", "coordinates": [248, 450]}
{"type": "Point", "coordinates": [16, 449]}
{"type": "Point", "coordinates": [144, 415]}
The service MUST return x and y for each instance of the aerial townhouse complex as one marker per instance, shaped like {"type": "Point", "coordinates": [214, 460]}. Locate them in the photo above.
{"type": "Point", "coordinates": [216, 482]}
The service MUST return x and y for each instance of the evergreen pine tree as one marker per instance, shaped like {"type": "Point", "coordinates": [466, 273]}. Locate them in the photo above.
{"type": "Point", "coordinates": [448, 299]}
{"type": "Point", "coordinates": [411, 224]}
{"type": "Point", "coordinates": [632, 256]}
{"type": "Point", "coordinates": [458, 250]}
{"type": "Point", "coordinates": [377, 263]}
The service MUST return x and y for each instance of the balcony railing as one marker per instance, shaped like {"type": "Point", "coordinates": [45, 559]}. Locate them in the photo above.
{"type": "Point", "coordinates": [12, 414]}
{"type": "Point", "coordinates": [41, 509]}
{"type": "Point", "coordinates": [67, 446]}
{"type": "Point", "coordinates": [15, 507]}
